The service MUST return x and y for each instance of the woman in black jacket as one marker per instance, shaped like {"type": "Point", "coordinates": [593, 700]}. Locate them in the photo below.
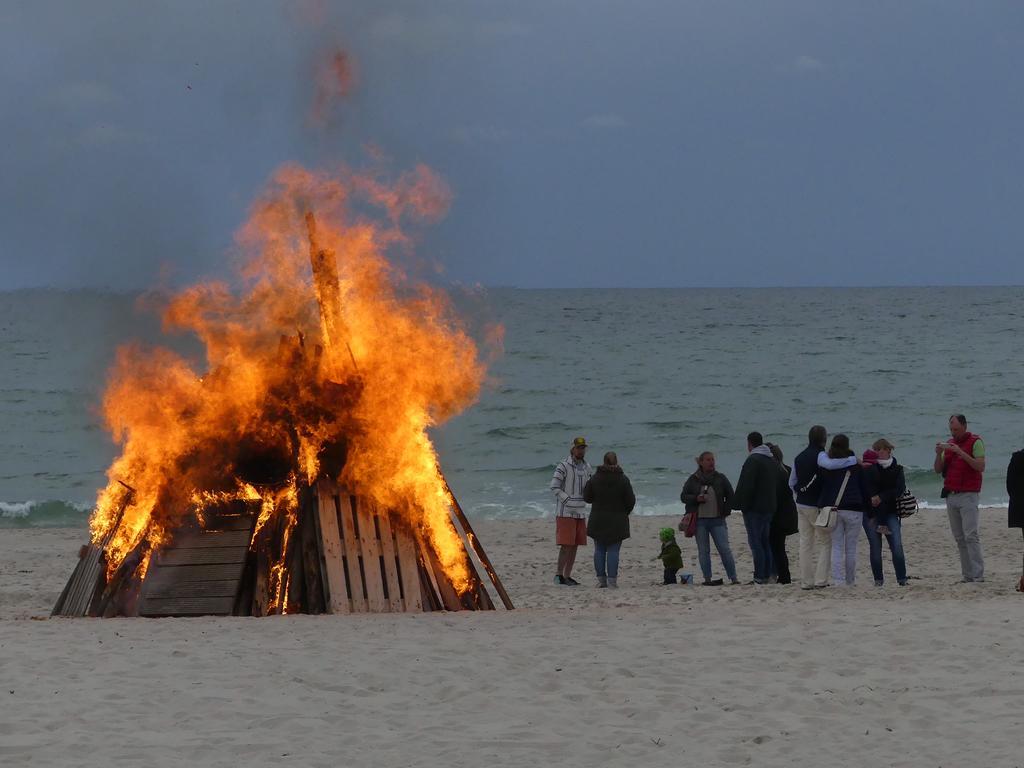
{"type": "Point", "coordinates": [885, 483]}
{"type": "Point", "coordinates": [611, 497]}
{"type": "Point", "coordinates": [785, 522]}
{"type": "Point", "coordinates": [1015, 487]}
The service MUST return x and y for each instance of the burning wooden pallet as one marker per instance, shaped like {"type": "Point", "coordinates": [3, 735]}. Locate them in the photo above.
{"type": "Point", "coordinates": [339, 553]}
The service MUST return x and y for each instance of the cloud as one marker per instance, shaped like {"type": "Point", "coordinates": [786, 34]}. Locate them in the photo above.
{"type": "Point", "coordinates": [605, 121]}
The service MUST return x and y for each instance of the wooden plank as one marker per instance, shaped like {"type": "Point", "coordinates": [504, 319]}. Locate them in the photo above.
{"type": "Point", "coordinates": [83, 593]}
{"type": "Point", "coordinates": [331, 550]}
{"type": "Point", "coordinates": [370, 548]}
{"type": "Point", "coordinates": [293, 595]}
{"type": "Point", "coordinates": [198, 539]}
{"type": "Point", "coordinates": [188, 606]}
{"type": "Point", "coordinates": [389, 556]}
{"type": "Point", "coordinates": [478, 548]}
{"type": "Point", "coordinates": [408, 565]}
{"type": "Point", "coordinates": [201, 556]}
{"type": "Point", "coordinates": [231, 522]}
{"type": "Point", "coordinates": [222, 588]}
{"type": "Point", "coordinates": [82, 582]}
{"type": "Point", "coordinates": [310, 553]}
{"type": "Point", "coordinates": [449, 597]}
{"type": "Point", "coordinates": [350, 545]}
{"type": "Point", "coordinates": [160, 575]}
{"type": "Point", "coordinates": [261, 570]}
{"type": "Point", "coordinates": [479, 598]}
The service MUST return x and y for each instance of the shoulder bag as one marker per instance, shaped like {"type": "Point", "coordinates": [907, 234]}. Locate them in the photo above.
{"type": "Point", "coordinates": [827, 515]}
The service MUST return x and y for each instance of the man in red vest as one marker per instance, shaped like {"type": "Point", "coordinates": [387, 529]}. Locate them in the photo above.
{"type": "Point", "coordinates": [961, 462]}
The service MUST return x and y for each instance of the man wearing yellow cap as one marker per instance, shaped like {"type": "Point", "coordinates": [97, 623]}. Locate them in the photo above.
{"type": "Point", "coordinates": [571, 475]}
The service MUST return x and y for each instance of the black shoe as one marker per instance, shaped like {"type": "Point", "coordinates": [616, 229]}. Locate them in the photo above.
{"type": "Point", "coordinates": [571, 582]}
{"type": "Point", "coordinates": [713, 582]}
{"type": "Point", "coordinates": [559, 579]}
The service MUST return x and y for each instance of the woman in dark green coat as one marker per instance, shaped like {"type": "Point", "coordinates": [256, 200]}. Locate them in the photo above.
{"type": "Point", "coordinates": [611, 498]}
{"type": "Point", "coordinates": [784, 521]}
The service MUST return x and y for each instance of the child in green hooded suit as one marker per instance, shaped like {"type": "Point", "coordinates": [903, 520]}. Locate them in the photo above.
{"type": "Point", "coordinates": [671, 556]}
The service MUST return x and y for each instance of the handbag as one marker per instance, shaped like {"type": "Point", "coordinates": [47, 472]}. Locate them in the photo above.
{"type": "Point", "coordinates": [906, 504]}
{"type": "Point", "coordinates": [688, 525]}
{"type": "Point", "coordinates": [827, 515]}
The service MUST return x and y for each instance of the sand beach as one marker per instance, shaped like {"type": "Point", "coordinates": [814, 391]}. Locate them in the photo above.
{"type": "Point", "coordinates": [927, 675]}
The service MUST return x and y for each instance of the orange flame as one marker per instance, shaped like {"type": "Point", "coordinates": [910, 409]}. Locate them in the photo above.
{"type": "Point", "coordinates": [327, 343]}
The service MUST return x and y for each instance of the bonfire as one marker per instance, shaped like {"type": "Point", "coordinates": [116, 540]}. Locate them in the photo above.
{"type": "Point", "coordinates": [292, 469]}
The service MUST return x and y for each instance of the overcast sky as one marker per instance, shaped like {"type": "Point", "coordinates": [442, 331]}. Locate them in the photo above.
{"type": "Point", "coordinates": [586, 143]}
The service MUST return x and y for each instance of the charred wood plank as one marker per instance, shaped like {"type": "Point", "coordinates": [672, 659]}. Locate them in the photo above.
{"type": "Point", "coordinates": [201, 556]}
{"type": "Point", "coordinates": [201, 539]}
{"type": "Point", "coordinates": [188, 606]}
{"type": "Point", "coordinates": [169, 589]}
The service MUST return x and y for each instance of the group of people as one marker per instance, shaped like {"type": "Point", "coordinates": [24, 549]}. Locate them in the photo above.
{"type": "Point", "coordinates": [828, 497]}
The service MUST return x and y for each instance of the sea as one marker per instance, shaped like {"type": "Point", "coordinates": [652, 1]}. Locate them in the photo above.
{"type": "Point", "coordinates": [656, 375]}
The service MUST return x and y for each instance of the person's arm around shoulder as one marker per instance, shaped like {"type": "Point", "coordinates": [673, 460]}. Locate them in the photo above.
{"type": "Point", "coordinates": [628, 497]}
{"type": "Point", "coordinates": [828, 463]}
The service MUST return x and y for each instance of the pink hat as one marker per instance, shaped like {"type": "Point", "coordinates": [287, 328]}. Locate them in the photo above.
{"type": "Point", "coordinates": [870, 457]}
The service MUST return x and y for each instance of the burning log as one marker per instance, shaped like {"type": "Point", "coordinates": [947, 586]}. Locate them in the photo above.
{"type": "Point", "coordinates": [474, 542]}
{"type": "Point", "coordinates": [328, 291]}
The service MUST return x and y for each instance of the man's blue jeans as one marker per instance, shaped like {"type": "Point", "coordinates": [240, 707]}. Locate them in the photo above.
{"type": "Point", "coordinates": [709, 528]}
{"type": "Point", "coordinates": [606, 558]}
{"type": "Point", "coordinates": [895, 537]}
{"type": "Point", "coordinates": [758, 527]}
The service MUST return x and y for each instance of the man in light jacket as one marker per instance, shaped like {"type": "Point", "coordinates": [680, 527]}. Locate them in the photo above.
{"type": "Point", "coordinates": [567, 484]}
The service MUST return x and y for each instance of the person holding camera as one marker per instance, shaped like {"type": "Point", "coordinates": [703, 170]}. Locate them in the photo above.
{"type": "Point", "coordinates": [708, 494]}
{"type": "Point", "coordinates": [961, 462]}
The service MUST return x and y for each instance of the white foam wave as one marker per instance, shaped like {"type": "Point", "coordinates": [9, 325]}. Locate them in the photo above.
{"type": "Point", "coordinates": [16, 508]}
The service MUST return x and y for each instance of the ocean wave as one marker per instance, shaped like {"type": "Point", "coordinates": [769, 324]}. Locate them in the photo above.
{"type": "Point", "coordinates": [527, 430]}
{"type": "Point", "coordinates": [43, 514]}
{"type": "Point", "coordinates": [668, 424]}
